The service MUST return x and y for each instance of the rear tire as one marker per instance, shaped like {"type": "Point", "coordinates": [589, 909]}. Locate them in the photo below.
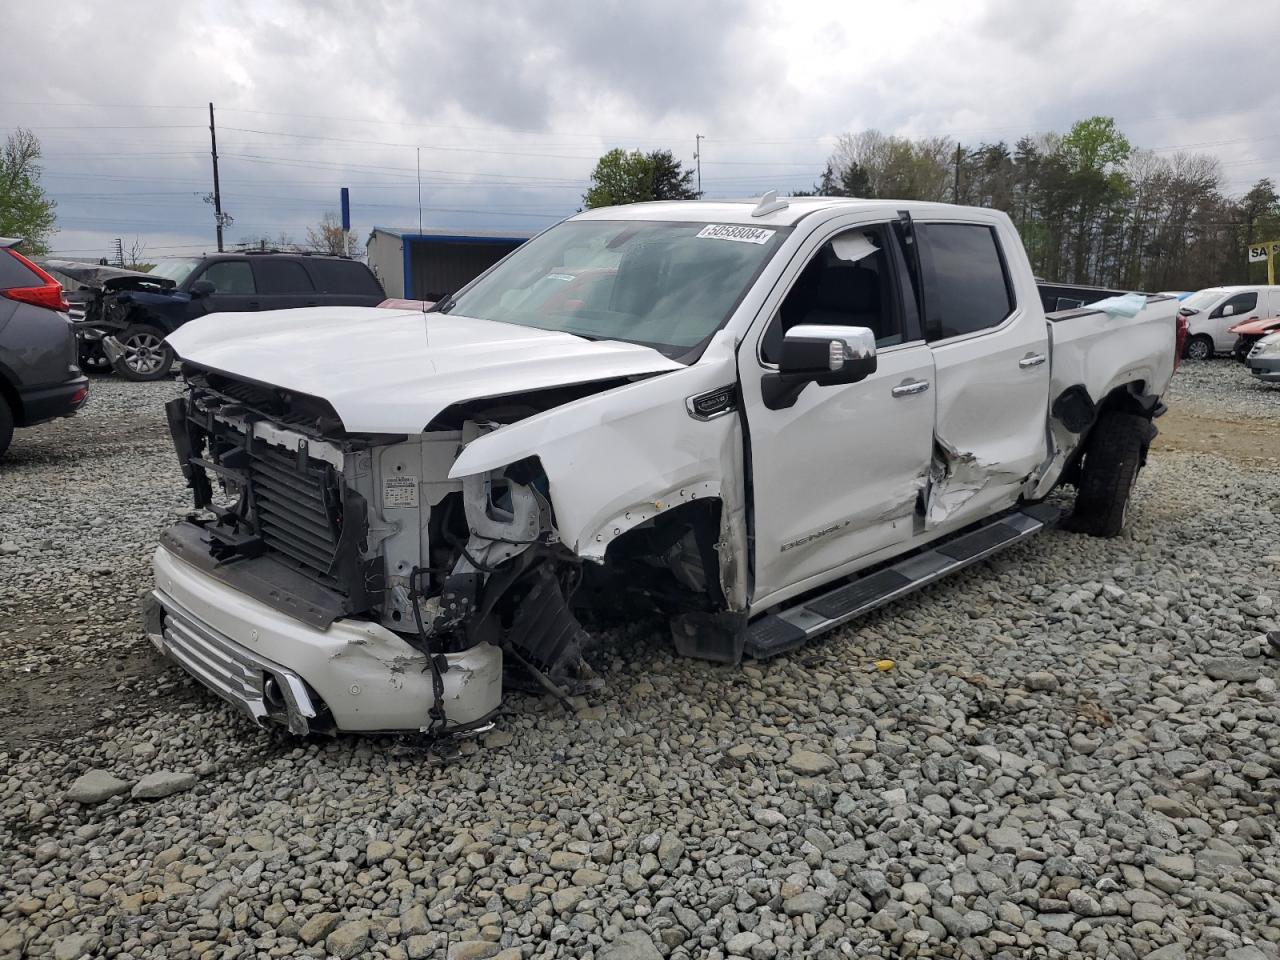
{"type": "Point", "coordinates": [6, 426]}
{"type": "Point", "coordinates": [146, 356]}
{"type": "Point", "coordinates": [1112, 460]}
{"type": "Point", "coordinates": [1200, 347]}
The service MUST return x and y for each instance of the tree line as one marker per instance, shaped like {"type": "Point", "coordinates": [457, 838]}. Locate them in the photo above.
{"type": "Point", "coordinates": [1090, 207]}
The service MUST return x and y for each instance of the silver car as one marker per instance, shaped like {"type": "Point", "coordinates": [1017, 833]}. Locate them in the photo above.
{"type": "Point", "coordinates": [1264, 359]}
{"type": "Point", "coordinates": [39, 375]}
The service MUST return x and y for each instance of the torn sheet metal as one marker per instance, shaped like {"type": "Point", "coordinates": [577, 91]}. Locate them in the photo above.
{"type": "Point", "coordinates": [617, 459]}
{"type": "Point", "coordinates": [955, 477]}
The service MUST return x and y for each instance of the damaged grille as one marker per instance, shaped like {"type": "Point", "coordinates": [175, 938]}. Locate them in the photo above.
{"type": "Point", "coordinates": [286, 507]}
{"type": "Point", "coordinates": [298, 511]}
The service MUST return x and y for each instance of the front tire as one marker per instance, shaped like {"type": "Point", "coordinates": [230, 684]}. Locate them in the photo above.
{"type": "Point", "coordinates": [145, 355]}
{"type": "Point", "coordinates": [6, 426]}
{"type": "Point", "coordinates": [1112, 460]}
{"type": "Point", "coordinates": [1200, 347]}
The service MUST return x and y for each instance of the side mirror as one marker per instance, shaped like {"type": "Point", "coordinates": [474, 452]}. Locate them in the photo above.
{"type": "Point", "coordinates": [202, 288]}
{"type": "Point", "coordinates": [821, 354]}
{"type": "Point", "coordinates": [1228, 310]}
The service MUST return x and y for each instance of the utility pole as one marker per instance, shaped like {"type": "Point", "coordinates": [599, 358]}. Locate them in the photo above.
{"type": "Point", "coordinates": [955, 191]}
{"type": "Point", "coordinates": [217, 192]}
{"type": "Point", "coordinates": [697, 159]}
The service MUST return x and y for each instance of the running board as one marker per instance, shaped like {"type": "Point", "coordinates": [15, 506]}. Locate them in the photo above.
{"type": "Point", "coordinates": [776, 633]}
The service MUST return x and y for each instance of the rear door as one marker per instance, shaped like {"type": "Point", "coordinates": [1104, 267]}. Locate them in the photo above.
{"type": "Point", "coordinates": [990, 346]}
{"type": "Point", "coordinates": [283, 283]}
{"type": "Point", "coordinates": [234, 289]}
{"type": "Point", "coordinates": [344, 282]}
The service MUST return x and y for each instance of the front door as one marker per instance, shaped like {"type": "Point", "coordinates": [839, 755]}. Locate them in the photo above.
{"type": "Point", "coordinates": [836, 476]}
{"type": "Point", "coordinates": [1237, 309]}
{"type": "Point", "coordinates": [234, 289]}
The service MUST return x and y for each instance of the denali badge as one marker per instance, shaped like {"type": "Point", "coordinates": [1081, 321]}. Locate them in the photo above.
{"type": "Point", "coordinates": [816, 535]}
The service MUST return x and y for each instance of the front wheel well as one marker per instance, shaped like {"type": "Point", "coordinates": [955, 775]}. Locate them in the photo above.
{"type": "Point", "coordinates": [674, 556]}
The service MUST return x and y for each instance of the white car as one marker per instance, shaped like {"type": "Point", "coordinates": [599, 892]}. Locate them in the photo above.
{"type": "Point", "coordinates": [1211, 313]}
{"type": "Point", "coordinates": [758, 419]}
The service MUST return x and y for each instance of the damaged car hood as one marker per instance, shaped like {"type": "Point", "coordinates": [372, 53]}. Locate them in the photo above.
{"type": "Point", "coordinates": [108, 278]}
{"type": "Point", "coordinates": [393, 371]}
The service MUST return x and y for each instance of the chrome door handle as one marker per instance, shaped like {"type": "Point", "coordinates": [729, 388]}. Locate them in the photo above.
{"type": "Point", "coordinates": [909, 387]}
{"type": "Point", "coordinates": [1032, 360]}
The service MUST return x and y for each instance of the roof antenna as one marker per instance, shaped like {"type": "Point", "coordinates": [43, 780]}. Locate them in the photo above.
{"type": "Point", "coordinates": [769, 203]}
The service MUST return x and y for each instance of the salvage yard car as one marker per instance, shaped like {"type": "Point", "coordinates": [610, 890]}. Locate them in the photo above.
{"type": "Point", "coordinates": [39, 378]}
{"type": "Point", "coordinates": [1213, 312]}
{"type": "Point", "coordinates": [1264, 359]}
{"type": "Point", "coordinates": [762, 419]}
{"type": "Point", "coordinates": [123, 316]}
{"type": "Point", "coordinates": [1249, 333]}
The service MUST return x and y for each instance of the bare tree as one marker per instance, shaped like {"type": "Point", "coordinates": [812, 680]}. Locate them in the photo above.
{"type": "Point", "coordinates": [135, 257]}
{"type": "Point", "coordinates": [328, 237]}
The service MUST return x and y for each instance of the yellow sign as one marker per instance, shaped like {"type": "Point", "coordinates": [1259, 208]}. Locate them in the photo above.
{"type": "Point", "coordinates": [1267, 251]}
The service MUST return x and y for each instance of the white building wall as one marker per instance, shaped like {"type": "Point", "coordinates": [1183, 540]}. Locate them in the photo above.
{"type": "Point", "coordinates": [386, 260]}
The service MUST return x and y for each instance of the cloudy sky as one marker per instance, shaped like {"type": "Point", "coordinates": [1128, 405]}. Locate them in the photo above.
{"type": "Point", "coordinates": [508, 105]}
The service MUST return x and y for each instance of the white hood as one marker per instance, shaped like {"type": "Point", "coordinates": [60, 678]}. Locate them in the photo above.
{"type": "Point", "coordinates": [392, 371]}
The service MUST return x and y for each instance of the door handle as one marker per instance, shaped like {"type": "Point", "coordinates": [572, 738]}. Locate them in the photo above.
{"type": "Point", "coordinates": [1032, 360]}
{"type": "Point", "coordinates": [910, 387]}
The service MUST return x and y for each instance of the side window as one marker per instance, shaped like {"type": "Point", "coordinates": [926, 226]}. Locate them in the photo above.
{"type": "Point", "coordinates": [230, 276]}
{"type": "Point", "coordinates": [281, 276]}
{"type": "Point", "coordinates": [1241, 303]}
{"type": "Point", "coordinates": [849, 282]}
{"type": "Point", "coordinates": [966, 285]}
{"type": "Point", "coordinates": [343, 276]}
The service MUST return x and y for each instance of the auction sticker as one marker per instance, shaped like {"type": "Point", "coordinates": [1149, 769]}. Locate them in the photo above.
{"type": "Point", "coordinates": [735, 232]}
{"type": "Point", "coordinates": [400, 491]}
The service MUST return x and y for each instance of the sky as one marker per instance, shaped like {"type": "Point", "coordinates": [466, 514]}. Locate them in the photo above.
{"type": "Point", "coordinates": [505, 107]}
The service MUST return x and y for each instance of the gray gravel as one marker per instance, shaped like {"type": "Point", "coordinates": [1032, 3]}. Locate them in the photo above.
{"type": "Point", "coordinates": [1224, 388]}
{"type": "Point", "coordinates": [1076, 753]}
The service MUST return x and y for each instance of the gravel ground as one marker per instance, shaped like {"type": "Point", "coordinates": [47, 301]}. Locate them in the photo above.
{"type": "Point", "coordinates": [1224, 388]}
{"type": "Point", "coordinates": [1076, 754]}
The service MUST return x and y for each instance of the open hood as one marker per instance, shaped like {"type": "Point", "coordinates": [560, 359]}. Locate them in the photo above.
{"type": "Point", "coordinates": [392, 371]}
{"type": "Point", "coordinates": [1253, 328]}
{"type": "Point", "coordinates": [104, 277]}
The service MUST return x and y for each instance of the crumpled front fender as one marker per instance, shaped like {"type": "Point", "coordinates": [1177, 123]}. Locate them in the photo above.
{"type": "Point", "coordinates": [617, 459]}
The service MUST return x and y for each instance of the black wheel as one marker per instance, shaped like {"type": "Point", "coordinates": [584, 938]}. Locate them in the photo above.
{"type": "Point", "coordinates": [145, 355]}
{"type": "Point", "coordinates": [1200, 347]}
{"type": "Point", "coordinates": [1112, 460]}
{"type": "Point", "coordinates": [6, 426]}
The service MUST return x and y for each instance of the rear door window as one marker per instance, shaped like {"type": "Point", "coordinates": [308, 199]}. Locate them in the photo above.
{"type": "Point", "coordinates": [966, 283]}
{"type": "Point", "coordinates": [343, 276]}
{"type": "Point", "coordinates": [230, 276]}
{"type": "Point", "coordinates": [281, 277]}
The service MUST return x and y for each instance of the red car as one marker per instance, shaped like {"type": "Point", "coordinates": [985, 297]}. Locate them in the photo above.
{"type": "Point", "coordinates": [1250, 332]}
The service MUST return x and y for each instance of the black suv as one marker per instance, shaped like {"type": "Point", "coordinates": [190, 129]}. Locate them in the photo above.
{"type": "Point", "coordinates": [122, 321]}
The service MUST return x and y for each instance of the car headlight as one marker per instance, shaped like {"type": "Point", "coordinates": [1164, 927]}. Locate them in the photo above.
{"type": "Point", "coordinates": [1266, 347]}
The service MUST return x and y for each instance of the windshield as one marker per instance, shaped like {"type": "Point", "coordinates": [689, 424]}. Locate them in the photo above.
{"type": "Point", "coordinates": [176, 270]}
{"type": "Point", "coordinates": [1201, 299]}
{"type": "Point", "coordinates": [669, 286]}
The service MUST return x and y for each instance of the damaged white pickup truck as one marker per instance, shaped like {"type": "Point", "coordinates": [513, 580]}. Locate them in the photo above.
{"type": "Point", "coordinates": [763, 418]}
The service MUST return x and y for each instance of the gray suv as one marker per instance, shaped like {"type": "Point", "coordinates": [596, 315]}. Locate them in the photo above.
{"type": "Point", "coordinates": [39, 376]}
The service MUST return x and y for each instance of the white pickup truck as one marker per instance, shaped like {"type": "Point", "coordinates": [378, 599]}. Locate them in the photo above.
{"type": "Point", "coordinates": [760, 419]}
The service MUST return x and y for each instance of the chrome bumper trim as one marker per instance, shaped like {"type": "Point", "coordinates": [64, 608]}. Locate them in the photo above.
{"type": "Point", "coordinates": [236, 674]}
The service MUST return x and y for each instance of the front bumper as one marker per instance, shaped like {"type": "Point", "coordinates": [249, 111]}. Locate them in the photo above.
{"type": "Point", "coordinates": [1265, 368]}
{"type": "Point", "coordinates": [355, 676]}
